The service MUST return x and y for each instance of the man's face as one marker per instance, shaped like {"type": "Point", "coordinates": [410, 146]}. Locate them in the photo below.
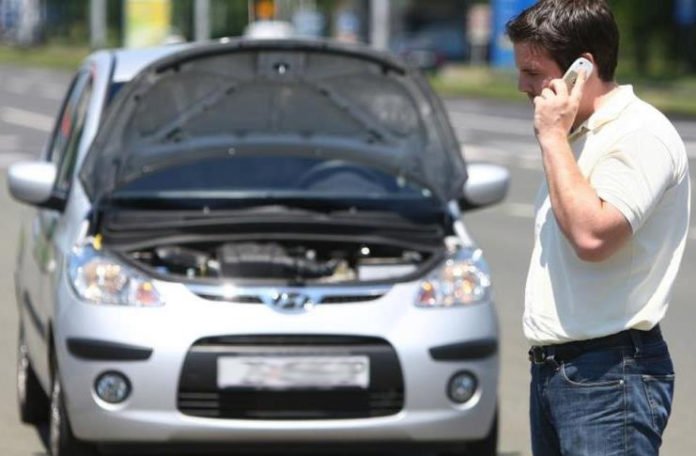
{"type": "Point", "coordinates": [536, 69]}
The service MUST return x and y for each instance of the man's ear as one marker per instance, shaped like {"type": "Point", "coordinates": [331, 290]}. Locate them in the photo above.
{"type": "Point", "coordinates": [589, 57]}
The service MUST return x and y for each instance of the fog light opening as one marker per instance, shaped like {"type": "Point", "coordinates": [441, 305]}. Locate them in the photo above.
{"type": "Point", "coordinates": [112, 387]}
{"type": "Point", "coordinates": [461, 387]}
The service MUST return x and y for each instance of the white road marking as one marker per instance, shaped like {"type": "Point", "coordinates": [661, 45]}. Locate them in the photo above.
{"type": "Point", "coordinates": [35, 85]}
{"type": "Point", "coordinates": [9, 143]}
{"type": "Point", "coordinates": [690, 149]}
{"type": "Point", "coordinates": [493, 124]}
{"type": "Point", "coordinates": [525, 156]}
{"type": "Point", "coordinates": [27, 119]}
{"type": "Point", "coordinates": [54, 93]}
{"type": "Point", "coordinates": [19, 86]}
{"type": "Point", "coordinates": [523, 210]}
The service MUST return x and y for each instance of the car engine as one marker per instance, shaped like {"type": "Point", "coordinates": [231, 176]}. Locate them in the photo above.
{"type": "Point", "coordinates": [306, 261]}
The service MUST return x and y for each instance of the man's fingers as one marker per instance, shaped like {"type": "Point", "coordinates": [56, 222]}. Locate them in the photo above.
{"type": "Point", "coordinates": [547, 92]}
{"type": "Point", "coordinates": [559, 87]}
{"type": "Point", "coordinates": [579, 85]}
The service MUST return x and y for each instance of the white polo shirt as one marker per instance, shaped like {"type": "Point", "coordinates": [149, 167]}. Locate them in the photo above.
{"type": "Point", "coordinates": [635, 160]}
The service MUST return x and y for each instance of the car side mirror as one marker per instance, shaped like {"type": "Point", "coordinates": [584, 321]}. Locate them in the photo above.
{"type": "Point", "coordinates": [32, 182]}
{"type": "Point", "coordinates": [487, 184]}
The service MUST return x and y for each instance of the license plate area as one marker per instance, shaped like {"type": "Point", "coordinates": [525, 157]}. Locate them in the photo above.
{"type": "Point", "coordinates": [286, 372]}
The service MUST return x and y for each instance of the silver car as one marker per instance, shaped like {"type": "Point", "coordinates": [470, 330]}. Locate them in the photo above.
{"type": "Point", "coordinates": [253, 243]}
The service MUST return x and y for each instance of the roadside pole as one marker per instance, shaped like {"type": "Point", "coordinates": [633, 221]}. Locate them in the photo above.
{"type": "Point", "coordinates": [97, 23]}
{"type": "Point", "coordinates": [202, 20]}
{"type": "Point", "coordinates": [379, 24]}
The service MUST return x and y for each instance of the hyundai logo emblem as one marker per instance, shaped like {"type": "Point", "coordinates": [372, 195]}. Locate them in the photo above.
{"type": "Point", "coordinates": [288, 301]}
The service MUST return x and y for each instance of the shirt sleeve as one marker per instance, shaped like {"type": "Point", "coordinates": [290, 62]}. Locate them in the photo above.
{"type": "Point", "coordinates": [633, 176]}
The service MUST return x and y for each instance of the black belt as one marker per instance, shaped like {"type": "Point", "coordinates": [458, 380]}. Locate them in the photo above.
{"type": "Point", "coordinates": [540, 354]}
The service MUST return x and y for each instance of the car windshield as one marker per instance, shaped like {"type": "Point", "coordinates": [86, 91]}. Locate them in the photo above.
{"type": "Point", "coordinates": [113, 90]}
{"type": "Point", "coordinates": [271, 175]}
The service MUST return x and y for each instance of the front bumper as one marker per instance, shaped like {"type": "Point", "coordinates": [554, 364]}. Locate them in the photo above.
{"type": "Point", "coordinates": [151, 413]}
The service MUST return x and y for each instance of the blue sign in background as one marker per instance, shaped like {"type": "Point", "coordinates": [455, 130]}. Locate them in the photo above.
{"type": "Point", "coordinates": [685, 12]}
{"type": "Point", "coordinates": [503, 11]}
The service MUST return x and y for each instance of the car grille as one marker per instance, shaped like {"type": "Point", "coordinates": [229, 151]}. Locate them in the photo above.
{"type": "Point", "coordinates": [199, 394]}
{"type": "Point", "coordinates": [241, 299]}
{"type": "Point", "coordinates": [338, 299]}
{"type": "Point", "coordinates": [343, 299]}
{"type": "Point", "coordinates": [268, 295]}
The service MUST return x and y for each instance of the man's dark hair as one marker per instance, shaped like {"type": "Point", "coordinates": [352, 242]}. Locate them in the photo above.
{"type": "Point", "coordinates": [567, 28]}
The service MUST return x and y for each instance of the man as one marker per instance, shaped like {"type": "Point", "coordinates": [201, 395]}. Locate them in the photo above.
{"type": "Point", "coordinates": [611, 223]}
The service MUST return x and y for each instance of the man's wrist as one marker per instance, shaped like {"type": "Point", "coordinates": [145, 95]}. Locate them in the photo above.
{"type": "Point", "coordinates": [552, 138]}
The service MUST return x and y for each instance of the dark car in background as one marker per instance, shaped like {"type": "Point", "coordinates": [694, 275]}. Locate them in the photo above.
{"type": "Point", "coordinates": [434, 44]}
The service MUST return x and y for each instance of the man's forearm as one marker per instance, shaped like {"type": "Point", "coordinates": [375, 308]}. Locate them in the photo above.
{"type": "Point", "coordinates": [580, 213]}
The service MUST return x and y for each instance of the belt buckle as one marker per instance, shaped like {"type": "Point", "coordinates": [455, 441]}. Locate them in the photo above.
{"type": "Point", "coordinates": [537, 354]}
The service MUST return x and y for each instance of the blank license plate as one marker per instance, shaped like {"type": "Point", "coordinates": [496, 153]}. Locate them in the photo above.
{"type": "Point", "coordinates": [284, 372]}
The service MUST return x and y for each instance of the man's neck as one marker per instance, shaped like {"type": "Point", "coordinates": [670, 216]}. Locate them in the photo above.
{"type": "Point", "coordinates": [596, 96]}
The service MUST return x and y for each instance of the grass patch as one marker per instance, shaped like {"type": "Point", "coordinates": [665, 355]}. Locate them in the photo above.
{"type": "Point", "coordinates": [674, 97]}
{"type": "Point", "coordinates": [476, 81]}
{"type": "Point", "coordinates": [52, 55]}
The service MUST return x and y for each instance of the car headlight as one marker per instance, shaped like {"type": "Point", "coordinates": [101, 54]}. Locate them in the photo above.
{"type": "Point", "coordinates": [463, 279]}
{"type": "Point", "coordinates": [99, 278]}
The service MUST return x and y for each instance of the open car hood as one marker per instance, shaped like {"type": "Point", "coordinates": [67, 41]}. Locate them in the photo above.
{"type": "Point", "coordinates": [314, 98]}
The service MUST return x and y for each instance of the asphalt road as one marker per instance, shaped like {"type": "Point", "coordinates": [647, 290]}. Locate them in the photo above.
{"type": "Point", "coordinates": [491, 131]}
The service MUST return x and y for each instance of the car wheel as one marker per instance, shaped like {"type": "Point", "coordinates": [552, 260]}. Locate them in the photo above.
{"type": "Point", "coordinates": [31, 398]}
{"type": "Point", "coordinates": [488, 446]}
{"type": "Point", "coordinates": [61, 439]}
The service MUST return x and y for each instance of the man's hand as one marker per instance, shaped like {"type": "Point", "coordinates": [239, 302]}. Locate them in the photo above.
{"type": "Point", "coordinates": [555, 109]}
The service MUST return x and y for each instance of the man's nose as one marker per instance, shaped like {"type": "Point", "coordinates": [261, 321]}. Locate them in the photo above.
{"type": "Point", "coordinates": [524, 86]}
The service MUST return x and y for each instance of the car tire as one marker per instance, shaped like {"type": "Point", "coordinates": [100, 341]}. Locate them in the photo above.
{"type": "Point", "coordinates": [62, 441]}
{"type": "Point", "coordinates": [31, 398]}
{"type": "Point", "coordinates": [488, 446]}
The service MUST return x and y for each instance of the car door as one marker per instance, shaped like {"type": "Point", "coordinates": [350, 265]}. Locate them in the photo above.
{"type": "Point", "coordinates": [38, 276]}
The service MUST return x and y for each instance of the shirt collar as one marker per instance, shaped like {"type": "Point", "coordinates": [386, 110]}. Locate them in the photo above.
{"type": "Point", "coordinates": [610, 110]}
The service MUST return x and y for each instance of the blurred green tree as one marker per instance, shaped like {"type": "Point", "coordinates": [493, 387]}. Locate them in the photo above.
{"type": "Point", "coordinates": [648, 43]}
{"type": "Point", "coordinates": [66, 21]}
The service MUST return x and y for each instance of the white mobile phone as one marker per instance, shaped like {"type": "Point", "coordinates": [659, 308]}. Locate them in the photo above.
{"type": "Point", "coordinates": [572, 74]}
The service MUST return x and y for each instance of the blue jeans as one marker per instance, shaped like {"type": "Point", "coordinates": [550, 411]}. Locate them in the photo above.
{"type": "Point", "coordinates": [605, 402]}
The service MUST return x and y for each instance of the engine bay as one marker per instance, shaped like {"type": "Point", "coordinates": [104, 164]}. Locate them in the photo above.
{"type": "Point", "coordinates": [276, 244]}
{"type": "Point", "coordinates": [284, 260]}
